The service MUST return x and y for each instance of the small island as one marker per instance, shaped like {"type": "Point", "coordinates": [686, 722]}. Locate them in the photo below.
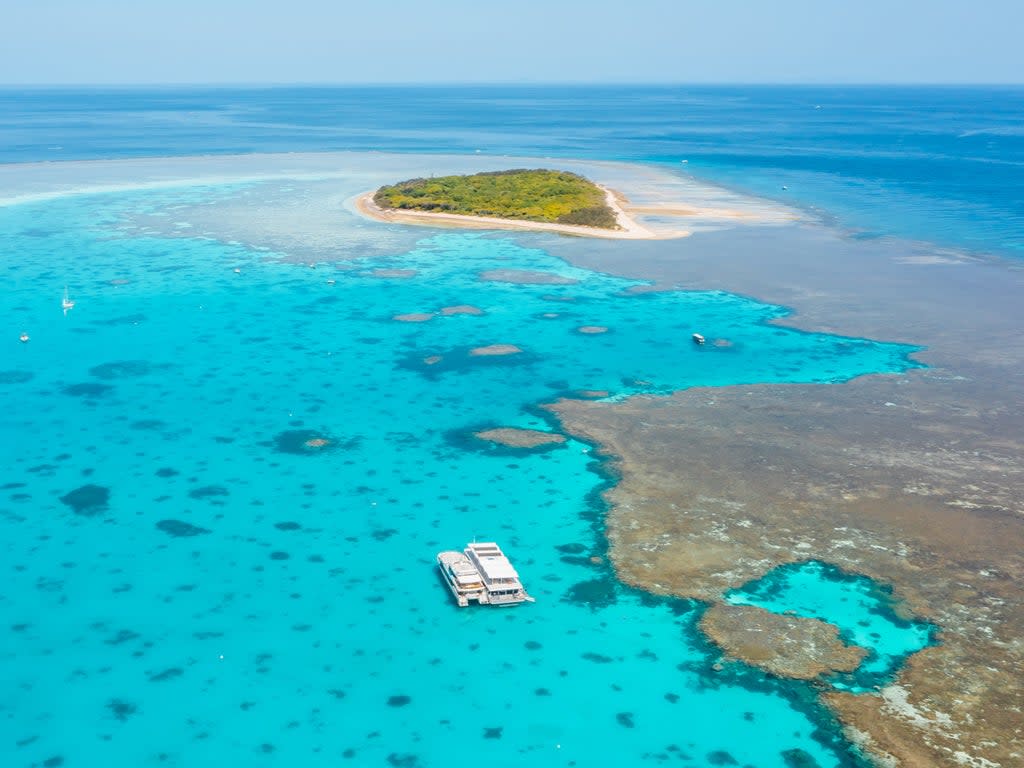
{"type": "Point", "coordinates": [553, 197]}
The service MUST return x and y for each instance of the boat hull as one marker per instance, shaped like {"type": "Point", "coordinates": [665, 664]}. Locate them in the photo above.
{"type": "Point", "coordinates": [467, 585]}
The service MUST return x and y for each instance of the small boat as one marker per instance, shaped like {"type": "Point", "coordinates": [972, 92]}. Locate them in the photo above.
{"type": "Point", "coordinates": [698, 339]}
{"type": "Point", "coordinates": [66, 303]}
{"type": "Point", "coordinates": [23, 338]}
{"type": "Point", "coordinates": [481, 573]}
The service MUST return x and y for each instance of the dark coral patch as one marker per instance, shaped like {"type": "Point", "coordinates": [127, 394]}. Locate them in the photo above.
{"type": "Point", "coordinates": [207, 491]}
{"type": "Point", "coordinates": [279, 555]}
{"type": "Point", "coordinates": [15, 377]}
{"type": "Point", "coordinates": [148, 425]}
{"type": "Point", "coordinates": [798, 758]}
{"type": "Point", "coordinates": [122, 636]}
{"type": "Point", "coordinates": [88, 500]}
{"type": "Point", "coordinates": [167, 472]}
{"type": "Point", "coordinates": [167, 674]}
{"type": "Point", "coordinates": [596, 593]}
{"type": "Point", "coordinates": [88, 389]}
{"type": "Point", "coordinates": [287, 526]}
{"type": "Point", "coordinates": [180, 528]}
{"type": "Point", "coordinates": [53, 762]}
{"type": "Point", "coordinates": [399, 701]}
{"type": "Point", "coordinates": [493, 733]}
{"type": "Point", "coordinates": [625, 719]}
{"type": "Point", "coordinates": [122, 369]}
{"type": "Point", "coordinates": [403, 761]}
{"type": "Point", "coordinates": [121, 709]}
{"type": "Point", "coordinates": [571, 549]}
{"type": "Point", "coordinates": [721, 757]}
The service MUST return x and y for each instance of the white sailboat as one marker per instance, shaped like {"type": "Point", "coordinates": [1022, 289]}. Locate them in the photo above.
{"type": "Point", "coordinates": [66, 303]}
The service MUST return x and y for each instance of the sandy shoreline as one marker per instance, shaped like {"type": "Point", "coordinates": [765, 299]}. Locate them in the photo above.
{"type": "Point", "coordinates": [629, 228]}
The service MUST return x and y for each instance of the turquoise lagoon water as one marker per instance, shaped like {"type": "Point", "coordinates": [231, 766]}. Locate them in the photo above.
{"type": "Point", "coordinates": [185, 583]}
{"type": "Point", "coordinates": [862, 609]}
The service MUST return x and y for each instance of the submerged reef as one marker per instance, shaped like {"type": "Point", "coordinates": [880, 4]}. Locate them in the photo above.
{"type": "Point", "coordinates": [513, 437]}
{"type": "Point", "coordinates": [786, 646]}
{"type": "Point", "coordinates": [526, 277]}
{"type": "Point", "coordinates": [495, 350]}
{"type": "Point", "coordinates": [304, 442]}
{"type": "Point", "coordinates": [87, 500]}
{"type": "Point", "coordinates": [721, 486]}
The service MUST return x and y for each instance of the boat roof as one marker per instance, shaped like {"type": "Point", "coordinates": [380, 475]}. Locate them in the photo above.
{"type": "Point", "coordinates": [492, 560]}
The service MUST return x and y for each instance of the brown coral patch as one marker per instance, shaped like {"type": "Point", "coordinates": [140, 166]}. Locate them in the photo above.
{"type": "Point", "coordinates": [526, 277]}
{"type": "Point", "coordinates": [513, 437]}
{"type": "Point", "coordinates": [786, 646]}
{"type": "Point", "coordinates": [413, 317]}
{"type": "Point", "coordinates": [461, 309]}
{"type": "Point", "coordinates": [495, 350]}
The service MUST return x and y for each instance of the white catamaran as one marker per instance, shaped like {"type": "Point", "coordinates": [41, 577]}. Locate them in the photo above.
{"type": "Point", "coordinates": [481, 573]}
{"type": "Point", "coordinates": [66, 303]}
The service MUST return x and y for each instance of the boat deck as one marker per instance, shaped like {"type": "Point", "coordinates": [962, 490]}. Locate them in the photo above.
{"type": "Point", "coordinates": [482, 573]}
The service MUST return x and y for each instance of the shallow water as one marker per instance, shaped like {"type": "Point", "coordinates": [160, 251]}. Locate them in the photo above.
{"type": "Point", "coordinates": [939, 164]}
{"type": "Point", "coordinates": [187, 582]}
{"type": "Point", "coordinates": [862, 609]}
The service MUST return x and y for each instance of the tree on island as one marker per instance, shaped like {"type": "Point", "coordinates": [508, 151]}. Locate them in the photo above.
{"type": "Point", "coordinates": [543, 195]}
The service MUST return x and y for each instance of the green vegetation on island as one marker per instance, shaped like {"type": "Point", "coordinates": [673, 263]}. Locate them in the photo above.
{"type": "Point", "coordinates": [543, 195]}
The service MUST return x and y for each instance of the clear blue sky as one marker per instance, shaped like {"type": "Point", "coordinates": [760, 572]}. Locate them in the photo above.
{"type": "Point", "coordinates": [366, 41]}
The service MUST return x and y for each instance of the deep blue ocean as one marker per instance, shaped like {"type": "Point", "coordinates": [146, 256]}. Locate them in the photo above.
{"type": "Point", "coordinates": [226, 474]}
{"type": "Point", "coordinates": [940, 164]}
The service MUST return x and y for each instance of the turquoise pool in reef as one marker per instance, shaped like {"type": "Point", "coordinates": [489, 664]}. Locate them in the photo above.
{"type": "Point", "coordinates": [187, 582]}
{"type": "Point", "coordinates": [862, 609]}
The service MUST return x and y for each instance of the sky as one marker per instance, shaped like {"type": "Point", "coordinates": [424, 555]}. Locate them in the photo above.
{"type": "Point", "coordinates": [515, 41]}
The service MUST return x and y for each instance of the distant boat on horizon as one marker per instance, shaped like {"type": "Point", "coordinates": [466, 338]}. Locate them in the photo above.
{"type": "Point", "coordinates": [66, 303]}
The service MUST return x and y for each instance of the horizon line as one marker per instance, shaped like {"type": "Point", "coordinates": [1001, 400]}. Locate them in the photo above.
{"type": "Point", "coordinates": [517, 83]}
